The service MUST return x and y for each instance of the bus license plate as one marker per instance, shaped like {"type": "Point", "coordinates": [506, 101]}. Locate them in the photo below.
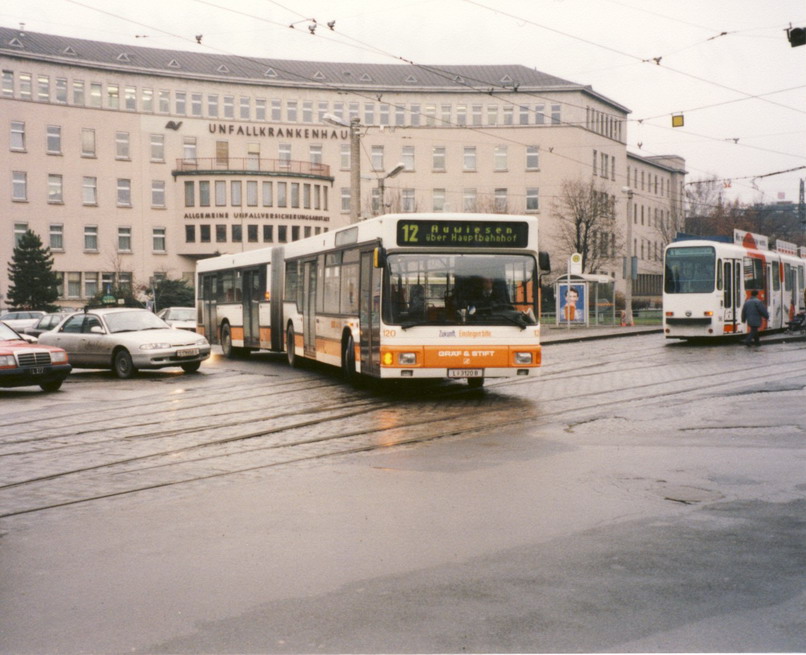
{"type": "Point", "coordinates": [187, 352]}
{"type": "Point", "coordinates": [465, 373]}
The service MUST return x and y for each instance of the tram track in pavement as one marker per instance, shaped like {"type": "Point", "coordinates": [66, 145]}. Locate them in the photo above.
{"type": "Point", "coordinates": [348, 441]}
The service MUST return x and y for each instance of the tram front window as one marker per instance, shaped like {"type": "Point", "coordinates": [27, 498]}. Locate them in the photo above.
{"type": "Point", "coordinates": [689, 269]}
{"type": "Point", "coordinates": [428, 289]}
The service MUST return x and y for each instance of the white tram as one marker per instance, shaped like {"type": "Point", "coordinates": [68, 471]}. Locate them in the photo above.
{"type": "Point", "coordinates": [707, 280]}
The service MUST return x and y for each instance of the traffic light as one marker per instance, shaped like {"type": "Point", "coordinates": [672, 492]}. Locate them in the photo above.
{"type": "Point", "coordinates": [796, 36]}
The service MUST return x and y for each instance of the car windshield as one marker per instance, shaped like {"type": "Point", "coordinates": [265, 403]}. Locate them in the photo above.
{"type": "Point", "coordinates": [182, 314]}
{"type": "Point", "coordinates": [7, 334]}
{"type": "Point", "coordinates": [133, 321]}
{"type": "Point", "coordinates": [454, 289]}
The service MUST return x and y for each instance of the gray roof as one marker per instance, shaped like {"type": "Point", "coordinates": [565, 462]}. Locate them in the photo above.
{"type": "Point", "coordinates": [276, 72]}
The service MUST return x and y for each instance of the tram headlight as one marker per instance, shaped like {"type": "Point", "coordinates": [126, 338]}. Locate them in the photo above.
{"type": "Point", "coordinates": [407, 359]}
{"type": "Point", "coordinates": [523, 358]}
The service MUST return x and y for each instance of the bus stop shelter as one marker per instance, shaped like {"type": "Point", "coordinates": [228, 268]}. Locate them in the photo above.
{"type": "Point", "coordinates": [585, 299]}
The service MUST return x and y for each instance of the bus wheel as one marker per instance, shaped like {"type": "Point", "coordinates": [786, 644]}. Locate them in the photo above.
{"type": "Point", "coordinates": [475, 383]}
{"type": "Point", "coordinates": [348, 359]}
{"type": "Point", "coordinates": [226, 342]}
{"type": "Point", "coordinates": [293, 360]}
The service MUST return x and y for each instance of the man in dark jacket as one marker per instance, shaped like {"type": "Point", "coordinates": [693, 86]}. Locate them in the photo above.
{"type": "Point", "coordinates": [753, 312]}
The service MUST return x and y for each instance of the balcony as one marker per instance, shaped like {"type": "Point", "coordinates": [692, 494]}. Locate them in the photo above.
{"type": "Point", "coordinates": [251, 166]}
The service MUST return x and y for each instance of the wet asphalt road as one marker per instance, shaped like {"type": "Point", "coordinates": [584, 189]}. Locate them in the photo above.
{"type": "Point", "coordinates": [635, 496]}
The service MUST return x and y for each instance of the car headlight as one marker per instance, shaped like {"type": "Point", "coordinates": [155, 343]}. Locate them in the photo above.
{"type": "Point", "coordinates": [155, 346]}
{"type": "Point", "coordinates": [7, 361]}
{"type": "Point", "coordinates": [58, 357]}
{"type": "Point", "coordinates": [202, 342]}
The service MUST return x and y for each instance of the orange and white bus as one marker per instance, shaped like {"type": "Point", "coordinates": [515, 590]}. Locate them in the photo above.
{"type": "Point", "coordinates": [393, 297]}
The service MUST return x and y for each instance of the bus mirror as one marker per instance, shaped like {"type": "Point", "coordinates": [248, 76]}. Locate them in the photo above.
{"type": "Point", "coordinates": [379, 257]}
{"type": "Point", "coordinates": [544, 261]}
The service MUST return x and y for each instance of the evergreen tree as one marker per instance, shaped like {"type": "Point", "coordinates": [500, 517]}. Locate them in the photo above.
{"type": "Point", "coordinates": [173, 293]}
{"type": "Point", "coordinates": [33, 284]}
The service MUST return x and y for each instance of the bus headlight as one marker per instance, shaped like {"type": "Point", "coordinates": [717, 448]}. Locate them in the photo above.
{"type": "Point", "coordinates": [523, 358]}
{"type": "Point", "coordinates": [407, 359]}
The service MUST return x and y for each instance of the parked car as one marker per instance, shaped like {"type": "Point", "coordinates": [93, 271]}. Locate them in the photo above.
{"type": "Point", "coordinates": [183, 318]}
{"type": "Point", "coordinates": [47, 322]}
{"type": "Point", "coordinates": [19, 319]}
{"type": "Point", "coordinates": [23, 364]}
{"type": "Point", "coordinates": [126, 339]}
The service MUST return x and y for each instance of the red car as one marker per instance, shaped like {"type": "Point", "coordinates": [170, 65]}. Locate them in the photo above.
{"type": "Point", "coordinates": [23, 364]}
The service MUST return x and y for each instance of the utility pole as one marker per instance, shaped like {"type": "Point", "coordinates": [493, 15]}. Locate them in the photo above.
{"type": "Point", "coordinates": [628, 268]}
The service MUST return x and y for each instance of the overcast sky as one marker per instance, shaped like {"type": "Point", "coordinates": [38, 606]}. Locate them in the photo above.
{"type": "Point", "coordinates": [726, 65]}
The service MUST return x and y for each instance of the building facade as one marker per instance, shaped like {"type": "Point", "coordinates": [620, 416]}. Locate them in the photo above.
{"type": "Point", "coordinates": [132, 163]}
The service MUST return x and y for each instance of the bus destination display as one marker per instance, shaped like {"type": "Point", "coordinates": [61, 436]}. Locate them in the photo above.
{"type": "Point", "coordinates": [473, 234]}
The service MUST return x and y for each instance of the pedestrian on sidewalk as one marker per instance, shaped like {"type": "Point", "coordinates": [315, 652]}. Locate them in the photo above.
{"type": "Point", "coordinates": [753, 313]}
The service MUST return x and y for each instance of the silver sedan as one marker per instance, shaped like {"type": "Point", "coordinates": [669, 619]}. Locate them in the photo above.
{"type": "Point", "coordinates": [125, 340]}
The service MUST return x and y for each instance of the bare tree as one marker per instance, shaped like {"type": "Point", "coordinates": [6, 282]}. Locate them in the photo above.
{"type": "Point", "coordinates": [586, 213]}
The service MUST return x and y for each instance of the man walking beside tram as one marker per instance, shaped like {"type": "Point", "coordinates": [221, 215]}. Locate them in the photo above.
{"type": "Point", "coordinates": [753, 313]}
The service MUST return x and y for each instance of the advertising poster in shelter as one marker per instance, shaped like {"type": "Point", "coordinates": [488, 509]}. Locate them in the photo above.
{"type": "Point", "coordinates": [573, 301]}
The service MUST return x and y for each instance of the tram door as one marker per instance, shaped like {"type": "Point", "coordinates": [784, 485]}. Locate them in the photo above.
{"type": "Point", "coordinates": [370, 314]}
{"type": "Point", "coordinates": [309, 280]}
{"type": "Point", "coordinates": [251, 308]}
{"type": "Point", "coordinates": [208, 307]}
{"type": "Point", "coordinates": [732, 303]}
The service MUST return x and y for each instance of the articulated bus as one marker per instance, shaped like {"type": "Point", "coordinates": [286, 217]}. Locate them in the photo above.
{"type": "Point", "coordinates": [393, 297]}
{"type": "Point", "coordinates": [707, 280]}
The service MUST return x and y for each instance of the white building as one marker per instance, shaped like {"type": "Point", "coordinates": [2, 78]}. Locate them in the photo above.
{"type": "Point", "coordinates": [131, 163]}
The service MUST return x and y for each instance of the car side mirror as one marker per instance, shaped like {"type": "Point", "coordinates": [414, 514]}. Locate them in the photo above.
{"type": "Point", "coordinates": [96, 329]}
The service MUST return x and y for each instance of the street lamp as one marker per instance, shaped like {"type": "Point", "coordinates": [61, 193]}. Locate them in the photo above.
{"type": "Point", "coordinates": [382, 181]}
{"type": "Point", "coordinates": [628, 268]}
{"type": "Point", "coordinates": [355, 163]}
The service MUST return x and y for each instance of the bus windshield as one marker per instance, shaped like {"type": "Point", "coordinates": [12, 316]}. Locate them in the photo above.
{"type": "Point", "coordinates": [689, 269]}
{"type": "Point", "coordinates": [455, 289]}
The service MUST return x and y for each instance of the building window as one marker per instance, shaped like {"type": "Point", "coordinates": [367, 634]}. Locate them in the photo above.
{"type": "Point", "coordinates": [90, 284]}
{"type": "Point", "coordinates": [532, 200]}
{"type": "Point", "coordinates": [112, 96]}
{"type": "Point", "coordinates": [96, 94]}
{"type": "Point", "coordinates": [220, 193]}
{"type": "Point", "coordinates": [500, 158]}
{"type": "Point", "coordinates": [158, 147]}
{"type": "Point", "coordinates": [251, 233]}
{"type": "Point", "coordinates": [190, 194]}
{"type": "Point", "coordinates": [87, 142]}
{"type": "Point", "coordinates": [438, 202]}
{"type": "Point", "coordinates": [284, 154]}
{"type": "Point", "coordinates": [158, 193]}
{"type": "Point", "coordinates": [469, 160]}
{"type": "Point", "coordinates": [89, 191]}
{"type": "Point", "coordinates": [56, 235]}
{"type": "Point", "coordinates": [251, 193]}
{"type": "Point", "coordinates": [91, 238]}
{"type": "Point", "coordinates": [408, 200]}
{"type": "Point", "coordinates": [54, 140]}
{"type": "Point", "coordinates": [204, 233]}
{"type": "Point", "coordinates": [556, 114]}
{"type": "Point", "coordinates": [18, 136]}
{"type": "Point", "coordinates": [282, 233]}
{"type": "Point", "coordinates": [43, 88]}
{"type": "Point", "coordinates": [221, 233]}
{"type": "Point", "coordinates": [237, 233]}
{"type": "Point", "coordinates": [124, 188]}
{"type": "Point", "coordinates": [121, 145]}
{"type": "Point", "coordinates": [212, 105]}
{"type": "Point", "coordinates": [8, 84]}
{"type": "Point", "coordinates": [407, 158]}
{"type": "Point", "coordinates": [438, 159]}
{"type": "Point", "coordinates": [181, 103]}
{"type": "Point", "coordinates": [158, 239]}
{"type": "Point", "coordinates": [540, 114]}
{"type": "Point", "coordinates": [246, 108]}
{"type": "Point", "coordinates": [74, 285]}
{"type": "Point", "coordinates": [345, 199]}
{"type": "Point", "coordinates": [500, 201]}
{"type": "Point", "coordinates": [267, 194]}
{"type": "Point", "coordinates": [19, 186]}
{"type": "Point", "coordinates": [260, 109]}
{"type": "Point", "coordinates": [78, 93]}
{"type": "Point", "coordinates": [532, 158]}
{"type": "Point", "coordinates": [204, 193]}
{"type": "Point", "coordinates": [19, 230]}
{"type": "Point", "coordinates": [148, 101]}
{"type": "Point", "coordinates": [291, 111]}
{"type": "Point", "coordinates": [55, 193]}
{"type": "Point", "coordinates": [276, 110]}
{"type": "Point", "coordinates": [282, 194]}
{"type": "Point", "coordinates": [344, 157]}
{"type": "Point", "coordinates": [124, 239]}
{"type": "Point", "coordinates": [190, 234]}
{"type": "Point", "coordinates": [235, 193]}
{"type": "Point", "coordinates": [268, 233]}
{"type": "Point", "coordinates": [315, 154]}
{"type": "Point", "coordinates": [164, 101]}
{"type": "Point", "coordinates": [130, 98]}
{"type": "Point", "coordinates": [469, 200]}
{"type": "Point", "coordinates": [196, 104]}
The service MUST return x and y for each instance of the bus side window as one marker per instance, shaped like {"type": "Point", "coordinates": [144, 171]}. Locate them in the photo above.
{"type": "Point", "coordinates": [728, 295]}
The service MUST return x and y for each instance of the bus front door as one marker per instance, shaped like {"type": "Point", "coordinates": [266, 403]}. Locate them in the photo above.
{"type": "Point", "coordinates": [370, 315]}
{"type": "Point", "coordinates": [309, 308]}
{"type": "Point", "coordinates": [251, 308]}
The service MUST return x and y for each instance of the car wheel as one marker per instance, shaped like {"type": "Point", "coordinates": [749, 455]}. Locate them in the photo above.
{"type": "Point", "coordinates": [348, 359]}
{"type": "Point", "coordinates": [226, 341]}
{"type": "Point", "coordinates": [191, 367]}
{"type": "Point", "coordinates": [122, 365]}
{"type": "Point", "coordinates": [53, 385]}
{"type": "Point", "coordinates": [293, 360]}
{"type": "Point", "coordinates": [475, 383]}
